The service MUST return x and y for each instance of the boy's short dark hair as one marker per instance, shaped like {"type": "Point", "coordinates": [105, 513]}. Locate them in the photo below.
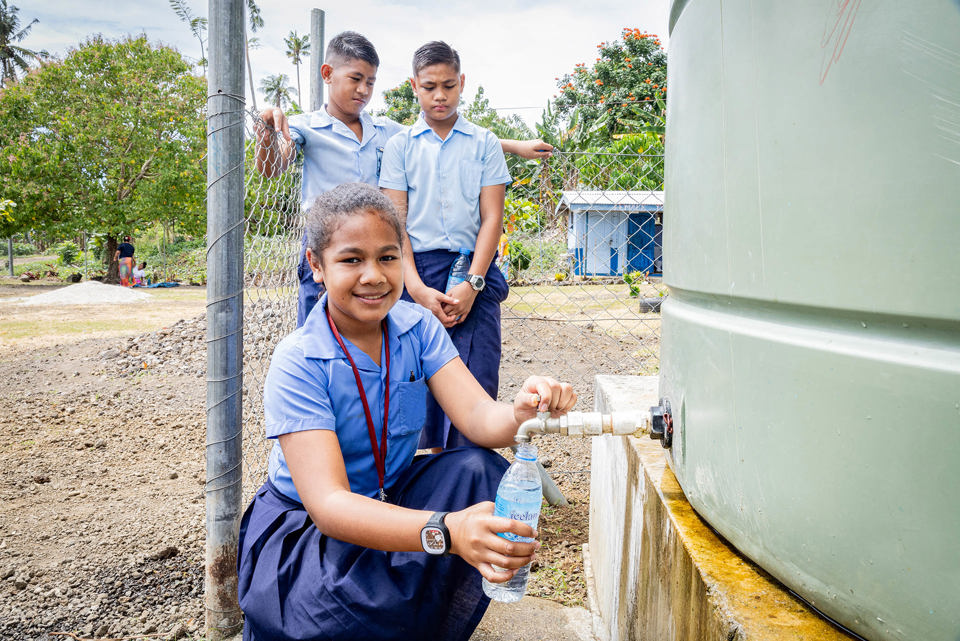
{"type": "Point", "coordinates": [331, 208]}
{"type": "Point", "coordinates": [350, 45]}
{"type": "Point", "coordinates": [435, 53]}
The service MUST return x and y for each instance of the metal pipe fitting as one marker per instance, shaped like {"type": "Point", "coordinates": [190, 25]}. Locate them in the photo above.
{"type": "Point", "coordinates": [585, 424]}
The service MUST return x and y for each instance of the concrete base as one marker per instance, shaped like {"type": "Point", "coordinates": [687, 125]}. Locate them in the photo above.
{"type": "Point", "coordinates": [532, 618]}
{"type": "Point", "coordinates": [656, 570]}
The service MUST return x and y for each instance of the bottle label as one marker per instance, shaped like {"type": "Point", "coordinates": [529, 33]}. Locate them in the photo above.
{"type": "Point", "coordinates": [528, 513]}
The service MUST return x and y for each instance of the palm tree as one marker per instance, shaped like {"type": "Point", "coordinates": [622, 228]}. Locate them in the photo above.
{"type": "Point", "coordinates": [298, 47]}
{"type": "Point", "coordinates": [197, 24]}
{"type": "Point", "coordinates": [12, 56]}
{"type": "Point", "coordinates": [276, 90]}
{"type": "Point", "coordinates": [256, 22]}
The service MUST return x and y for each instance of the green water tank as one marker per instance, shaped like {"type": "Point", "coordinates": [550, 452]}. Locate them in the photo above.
{"type": "Point", "coordinates": [811, 340]}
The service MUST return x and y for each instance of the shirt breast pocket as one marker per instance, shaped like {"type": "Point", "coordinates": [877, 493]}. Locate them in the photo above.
{"type": "Point", "coordinates": [412, 404]}
{"type": "Point", "coordinates": [471, 171]}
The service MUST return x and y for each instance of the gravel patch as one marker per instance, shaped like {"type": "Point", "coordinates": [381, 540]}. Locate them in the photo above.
{"type": "Point", "coordinates": [102, 474]}
{"type": "Point", "coordinates": [91, 292]}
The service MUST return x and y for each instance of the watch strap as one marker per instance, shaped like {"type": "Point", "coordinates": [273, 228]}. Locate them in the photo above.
{"type": "Point", "coordinates": [435, 525]}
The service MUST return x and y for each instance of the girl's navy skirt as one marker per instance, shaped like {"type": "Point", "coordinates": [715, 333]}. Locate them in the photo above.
{"type": "Point", "coordinates": [477, 340]}
{"type": "Point", "coordinates": [297, 583]}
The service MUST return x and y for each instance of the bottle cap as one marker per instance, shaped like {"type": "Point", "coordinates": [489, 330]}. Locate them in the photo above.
{"type": "Point", "coordinates": [466, 250]}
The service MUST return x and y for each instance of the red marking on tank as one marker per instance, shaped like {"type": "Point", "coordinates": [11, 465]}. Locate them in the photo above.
{"type": "Point", "coordinates": [836, 33]}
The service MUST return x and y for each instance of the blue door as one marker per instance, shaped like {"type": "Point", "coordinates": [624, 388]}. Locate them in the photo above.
{"type": "Point", "coordinates": [641, 242]}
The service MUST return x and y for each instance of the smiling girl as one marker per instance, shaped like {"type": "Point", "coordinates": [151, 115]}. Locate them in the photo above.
{"type": "Point", "coordinates": [354, 536]}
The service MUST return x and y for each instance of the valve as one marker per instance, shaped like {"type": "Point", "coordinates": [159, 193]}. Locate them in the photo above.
{"type": "Point", "coordinates": [661, 423]}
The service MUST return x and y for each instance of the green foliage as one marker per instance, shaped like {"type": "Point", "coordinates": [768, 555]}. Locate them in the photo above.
{"type": "Point", "coordinates": [37, 269]}
{"type": "Point", "coordinates": [298, 47]}
{"type": "Point", "coordinates": [535, 258]}
{"type": "Point", "coordinates": [505, 127]}
{"type": "Point", "coordinates": [572, 132]}
{"type": "Point", "coordinates": [197, 24]}
{"type": "Point", "coordinates": [276, 90]}
{"type": "Point", "coordinates": [192, 266]}
{"type": "Point", "coordinates": [402, 105]}
{"type": "Point", "coordinates": [108, 140]}
{"type": "Point", "coordinates": [634, 280]}
{"type": "Point", "coordinates": [67, 253]}
{"type": "Point", "coordinates": [23, 249]}
{"type": "Point", "coordinates": [171, 256]}
{"type": "Point", "coordinates": [631, 162]}
{"type": "Point", "coordinates": [519, 257]}
{"type": "Point", "coordinates": [14, 57]}
{"type": "Point", "coordinates": [521, 215]}
{"type": "Point", "coordinates": [622, 92]}
{"type": "Point", "coordinates": [98, 245]}
{"type": "Point", "coordinates": [274, 206]}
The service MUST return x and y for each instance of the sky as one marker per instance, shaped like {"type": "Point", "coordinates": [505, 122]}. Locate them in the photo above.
{"type": "Point", "coordinates": [514, 49]}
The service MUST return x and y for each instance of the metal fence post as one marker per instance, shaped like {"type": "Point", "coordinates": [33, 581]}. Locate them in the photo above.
{"type": "Point", "coordinates": [224, 315]}
{"type": "Point", "coordinates": [316, 58]}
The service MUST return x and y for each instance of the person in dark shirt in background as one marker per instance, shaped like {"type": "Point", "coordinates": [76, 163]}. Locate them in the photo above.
{"type": "Point", "coordinates": [124, 258]}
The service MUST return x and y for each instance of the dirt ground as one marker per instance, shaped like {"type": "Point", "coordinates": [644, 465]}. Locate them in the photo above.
{"type": "Point", "coordinates": [102, 469]}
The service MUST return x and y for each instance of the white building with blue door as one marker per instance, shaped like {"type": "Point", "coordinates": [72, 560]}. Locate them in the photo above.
{"type": "Point", "coordinates": [610, 233]}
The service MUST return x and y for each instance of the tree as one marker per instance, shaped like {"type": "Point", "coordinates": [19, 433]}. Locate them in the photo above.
{"type": "Point", "coordinates": [402, 105]}
{"type": "Point", "coordinates": [256, 22]}
{"type": "Point", "coordinates": [631, 162]}
{"type": "Point", "coordinates": [622, 92]}
{"type": "Point", "coordinates": [276, 90]}
{"type": "Point", "coordinates": [197, 24]}
{"type": "Point", "coordinates": [298, 47]}
{"type": "Point", "coordinates": [13, 56]}
{"type": "Point", "coordinates": [109, 140]}
{"type": "Point", "coordinates": [481, 113]}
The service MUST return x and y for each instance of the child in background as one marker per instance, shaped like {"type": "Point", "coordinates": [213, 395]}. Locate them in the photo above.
{"type": "Point", "coordinates": [340, 143]}
{"type": "Point", "coordinates": [448, 177]}
{"type": "Point", "coordinates": [353, 536]}
{"type": "Point", "coordinates": [140, 274]}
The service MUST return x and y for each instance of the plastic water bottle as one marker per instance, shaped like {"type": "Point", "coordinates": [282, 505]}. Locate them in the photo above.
{"type": "Point", "coordinates": [459, 269]}
{"type": "Point", "coordinates": [518, 498]}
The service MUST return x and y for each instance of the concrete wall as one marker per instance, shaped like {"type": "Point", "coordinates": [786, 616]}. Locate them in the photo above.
{"type": "Point", "coordinates": [656, 571]}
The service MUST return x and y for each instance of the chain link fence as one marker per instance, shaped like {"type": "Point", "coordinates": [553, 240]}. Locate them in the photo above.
{"type": "Point", "coordinates": [581, 250]}
{"type": "Point", "coordinates": [273, 231]}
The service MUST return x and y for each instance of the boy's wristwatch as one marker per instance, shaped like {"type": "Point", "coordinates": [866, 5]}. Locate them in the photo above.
{"type": "Point", "coordinates": [477, 282]}
{"type": "Point", "coordinates": [434, 536]}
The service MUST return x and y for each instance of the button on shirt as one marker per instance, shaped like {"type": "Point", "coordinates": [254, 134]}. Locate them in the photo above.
{"type": "Point", "coordinates": [332, 155]}
{"type": "Point", "coordinates": [443, 179]}
{"type": "Point", "coordinates": [310, 386]}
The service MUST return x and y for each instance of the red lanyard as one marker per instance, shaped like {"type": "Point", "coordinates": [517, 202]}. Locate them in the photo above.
{"type": "Point", "coordinates": [379, 454]}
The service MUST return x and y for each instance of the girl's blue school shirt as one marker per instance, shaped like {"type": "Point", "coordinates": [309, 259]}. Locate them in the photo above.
{"type": "Point", "coordinates": [310, 386]}
{"type": "Point", "coordinates": [443, 179]}
{"type": "Point", "coordinates": [332, 154]}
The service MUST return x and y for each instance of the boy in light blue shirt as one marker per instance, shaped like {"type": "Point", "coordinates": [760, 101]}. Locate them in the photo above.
{"type": "Point", "coordinates": [340, 143]}
{"type": "Point", "coordinates": [448, 177]}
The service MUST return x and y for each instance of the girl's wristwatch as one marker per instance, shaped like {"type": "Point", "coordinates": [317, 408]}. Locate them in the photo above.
{"type": "Point", "coordinates": [434, 536]}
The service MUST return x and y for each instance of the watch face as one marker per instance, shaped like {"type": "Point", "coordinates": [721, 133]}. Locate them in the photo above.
{"type": "Point", "coordinates": [432, 540]}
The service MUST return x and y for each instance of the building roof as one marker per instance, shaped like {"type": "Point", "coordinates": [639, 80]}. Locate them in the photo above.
{"type": "Point", "coordinates": [612, 201]}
